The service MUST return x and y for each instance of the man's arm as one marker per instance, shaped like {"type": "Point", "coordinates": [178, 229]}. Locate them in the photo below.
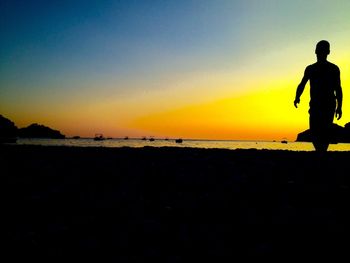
{"type": "Point", "coordinates": [300, 88]}
{"type": "Point", "coordinates": [339, 98]}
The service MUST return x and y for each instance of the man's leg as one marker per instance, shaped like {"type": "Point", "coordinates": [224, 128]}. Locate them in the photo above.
{"type": "Point", "coordinates": [319, 132]}
{"type": "Point", "coordinates": [321, 129]}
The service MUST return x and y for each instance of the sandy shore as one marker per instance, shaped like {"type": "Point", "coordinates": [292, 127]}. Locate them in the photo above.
{"type": "Point", "coordinates": [174, 203]}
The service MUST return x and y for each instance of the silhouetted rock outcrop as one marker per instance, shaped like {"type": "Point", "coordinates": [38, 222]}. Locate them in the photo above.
{"type": "Point", "coordinates": [39, 131]}
{"type": "Point", "coordinates": [338, 134]}
{"type": "Point", "coordinates": [8, 130]}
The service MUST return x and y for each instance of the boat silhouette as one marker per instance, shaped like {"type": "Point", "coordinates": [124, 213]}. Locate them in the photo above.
{"type": "Point", "coordinates": [99, 137]}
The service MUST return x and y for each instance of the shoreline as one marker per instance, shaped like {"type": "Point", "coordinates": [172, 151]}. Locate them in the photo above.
{"type": "Point", "coordinates": [170, 201]}
{"type": "Point", "coordinates": [209, 144]}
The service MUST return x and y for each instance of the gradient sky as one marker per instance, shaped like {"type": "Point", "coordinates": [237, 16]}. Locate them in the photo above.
{"type": "Point", "coordinates": [191, 69]}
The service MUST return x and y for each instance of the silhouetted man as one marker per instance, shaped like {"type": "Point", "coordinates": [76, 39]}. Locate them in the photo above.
{"type": "Point", "coordinates": [325, 96]}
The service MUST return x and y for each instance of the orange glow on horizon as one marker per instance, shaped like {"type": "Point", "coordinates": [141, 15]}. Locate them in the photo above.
{"type": "Point", "coordinates": [200, 110]}
{"type": "Point", "coordinates": [265, 115]}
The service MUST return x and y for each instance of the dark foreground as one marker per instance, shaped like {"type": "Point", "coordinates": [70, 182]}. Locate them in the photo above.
{"type": "Point", "coordinates": [173, 204]}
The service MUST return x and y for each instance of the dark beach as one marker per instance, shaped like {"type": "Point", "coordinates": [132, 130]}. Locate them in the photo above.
{"type": "Point", "coordinates": [173, 204]}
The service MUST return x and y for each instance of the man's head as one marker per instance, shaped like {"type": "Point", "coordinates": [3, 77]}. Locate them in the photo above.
{"type": "Point", "coordinates": [322, 50]}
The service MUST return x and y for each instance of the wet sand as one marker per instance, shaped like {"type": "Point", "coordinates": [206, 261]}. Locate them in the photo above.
{"type": "Point", "coordinates": [173, 204]}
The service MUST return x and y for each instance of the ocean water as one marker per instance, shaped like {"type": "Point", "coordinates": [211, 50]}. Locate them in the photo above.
{"type": "Point", "coordinates": [209, 144]}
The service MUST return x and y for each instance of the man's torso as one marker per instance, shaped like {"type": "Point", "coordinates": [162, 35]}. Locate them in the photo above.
{"type": "Point", "coordinates": [323, 77]}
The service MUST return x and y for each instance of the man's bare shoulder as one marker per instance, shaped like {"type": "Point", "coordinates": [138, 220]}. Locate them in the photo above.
{"type": "Point", "coordinates": [309, 68]}
{"type": "Point", "coordinates": [334, 66]}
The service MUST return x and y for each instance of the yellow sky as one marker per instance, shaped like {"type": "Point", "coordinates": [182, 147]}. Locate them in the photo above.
{"type": "Point", "coordinates": [264, 112]}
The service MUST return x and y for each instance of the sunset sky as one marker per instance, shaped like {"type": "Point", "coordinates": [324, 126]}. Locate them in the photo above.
{"type": "Point", "coordinates": [191, 69]}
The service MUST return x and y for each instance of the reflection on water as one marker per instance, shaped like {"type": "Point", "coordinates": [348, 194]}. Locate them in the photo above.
{"type": "Point", "coordinates": [292, 146]}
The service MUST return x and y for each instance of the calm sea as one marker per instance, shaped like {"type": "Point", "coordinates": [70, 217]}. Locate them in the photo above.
{"type": "Point", "coordinates": [292, 146]}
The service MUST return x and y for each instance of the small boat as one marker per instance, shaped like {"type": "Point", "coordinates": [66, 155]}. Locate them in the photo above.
{"type": "Point", "coordinates": [178, 140]}
{"type": "Point", "coordinates": [126, 138]}
{"type": "Point", "coordinates": [284, 141]}
{"type": "Point", "coordinates": [151, 139]}
{"type": "Point", "coordinates": [144, 138]}
{"type": "Point", "coordinates": [99, 137]}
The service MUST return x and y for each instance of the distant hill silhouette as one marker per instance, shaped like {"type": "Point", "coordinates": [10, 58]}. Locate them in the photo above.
{"type": "Point", "coordinates": [338, 134]}
{"type": "Point", "coordinates": [39, 131]}
{"type": "Point", "coordinates": [8, 130]}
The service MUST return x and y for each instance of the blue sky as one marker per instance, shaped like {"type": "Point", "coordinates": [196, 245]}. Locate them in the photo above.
{"type": "Point", "coordinates": [144, 56]}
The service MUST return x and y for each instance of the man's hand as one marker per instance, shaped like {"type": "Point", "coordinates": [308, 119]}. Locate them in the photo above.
{"type": "Point", "coordinates": [338, 113]}
{"type": "Point", "coordinates": [296, 102]}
